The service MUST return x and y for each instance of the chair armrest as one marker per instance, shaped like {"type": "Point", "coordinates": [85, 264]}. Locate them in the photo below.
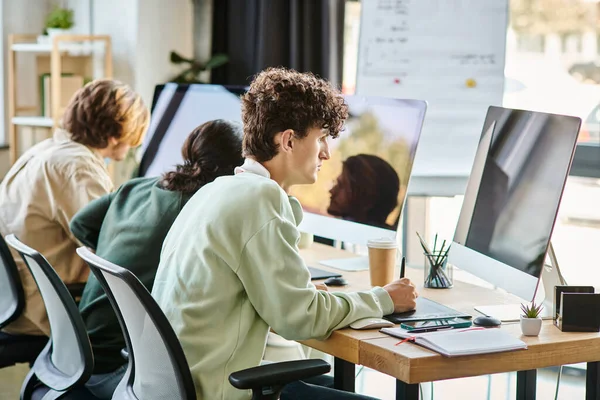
{"type": "Point", "coordinates": [76, 290]}
{"type": "Point", "coordinates": [125, 354]}
{"type": "Point", "coordinates": [278, 374]}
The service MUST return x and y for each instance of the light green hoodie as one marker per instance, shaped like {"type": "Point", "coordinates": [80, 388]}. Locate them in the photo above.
{"type": "Point", "coordinates": [230, 269]}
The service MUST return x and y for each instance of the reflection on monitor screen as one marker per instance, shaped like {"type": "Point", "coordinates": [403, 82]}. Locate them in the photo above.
{"type": "Point", "coordinates": [176, 111]}
{"type": "Point", "coordinates": [364, 182]}
{"type": "Point", "coordinates": [513, 196]}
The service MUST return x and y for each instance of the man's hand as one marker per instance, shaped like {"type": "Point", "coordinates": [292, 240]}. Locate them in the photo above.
{"type": "Point", "coordinates": [403, 294]}
{"type": "Point", "coordinates": [321, 286]}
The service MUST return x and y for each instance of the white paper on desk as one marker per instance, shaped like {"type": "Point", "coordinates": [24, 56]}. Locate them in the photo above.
{"type": "Point", "coordinates": [462, 342]}
{"type": "Point", "coordinates": [348, 264]}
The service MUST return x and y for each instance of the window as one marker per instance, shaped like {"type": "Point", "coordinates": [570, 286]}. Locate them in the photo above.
{"type": "Point", "coordinates": [531, 43]}
{"type": "Point", "coordinates": [571, 43]}
{"type": "Point", "coordinates": [552, 65]}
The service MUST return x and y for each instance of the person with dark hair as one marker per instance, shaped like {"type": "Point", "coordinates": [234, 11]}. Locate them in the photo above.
{"type": "Point", "coordinates": [235, 244]}
{"type": "Point", "coordinates": [55, 178]}
{"type": "Point", "coordinates": [128, 227]}
{"type": "Point", "coordinates": [366, 191]}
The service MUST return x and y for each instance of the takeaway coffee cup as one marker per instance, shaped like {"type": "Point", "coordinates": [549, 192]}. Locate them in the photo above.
{"type": "Point", "coordinates": [382, 260]}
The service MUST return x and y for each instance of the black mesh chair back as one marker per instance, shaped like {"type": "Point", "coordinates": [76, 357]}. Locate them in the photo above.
{"type": "Point", "coordinates": [67, 359]}
{"type": "Point", "coordinates": [157, 366]}
{"type": "Point", "coordinates": [12, 299]}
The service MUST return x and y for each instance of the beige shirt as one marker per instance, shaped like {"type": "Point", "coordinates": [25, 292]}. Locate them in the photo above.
{"type": "Point", "coordinates": [38, 197]}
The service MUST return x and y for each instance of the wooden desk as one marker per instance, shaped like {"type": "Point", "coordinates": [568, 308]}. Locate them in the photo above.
{"type": "Point", "coordinates": [411, 364]}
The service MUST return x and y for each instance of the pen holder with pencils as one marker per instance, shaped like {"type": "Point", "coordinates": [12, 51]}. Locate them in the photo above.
{"type": "Point", "coordinates": [438, 273]}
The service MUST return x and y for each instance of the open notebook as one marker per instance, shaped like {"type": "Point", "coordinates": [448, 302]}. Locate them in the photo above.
{"type": "Point", "coordinates": [462, 342]}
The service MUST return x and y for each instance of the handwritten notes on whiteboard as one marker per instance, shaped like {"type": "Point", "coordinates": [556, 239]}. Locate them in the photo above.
{"type": "Point", "coordinates": [448, 52]}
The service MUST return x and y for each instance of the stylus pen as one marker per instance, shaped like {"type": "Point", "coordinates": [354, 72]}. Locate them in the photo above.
{"type": "Point", "coordinates": [403, 267]}
{"type": "Point", "coordinates": [430, 329]}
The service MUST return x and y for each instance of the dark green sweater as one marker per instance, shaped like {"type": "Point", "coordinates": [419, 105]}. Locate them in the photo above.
{"type": "Point", "coordinates": [128, 228]}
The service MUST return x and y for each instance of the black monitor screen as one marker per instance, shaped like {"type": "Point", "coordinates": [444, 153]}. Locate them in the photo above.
{"type": "Point", "coordinates": [513, 208]}
{"type": "Point", "coordinates": [176, 110]}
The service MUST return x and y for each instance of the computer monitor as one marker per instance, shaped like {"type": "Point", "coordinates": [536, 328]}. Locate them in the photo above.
{"type": "Point", "coordinates": [512, 198]}
{"type": "Point", "coordinates": [176, 110]}
{"type": "Point", "coordinates": [361, 190]}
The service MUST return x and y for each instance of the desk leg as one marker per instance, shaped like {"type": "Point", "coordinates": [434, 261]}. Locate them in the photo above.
{"type": "Point", "coordinates": [526, 384]}
{"type": "Point", "coordinates": [406, 391]}
{"type": "Point", "coordinates": [592, 381]}
{"type": "Point", "coordinates": [343, 375]}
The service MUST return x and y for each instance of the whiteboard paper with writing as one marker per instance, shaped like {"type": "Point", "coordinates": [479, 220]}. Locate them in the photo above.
{"type": "Point", "coordinates": [447, 52]}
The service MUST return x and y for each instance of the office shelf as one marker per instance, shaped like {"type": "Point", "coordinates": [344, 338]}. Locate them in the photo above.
{"type": "Point", "coordinates": [65, 54]}
{"type": "Point", "coordinates": [33, 121]}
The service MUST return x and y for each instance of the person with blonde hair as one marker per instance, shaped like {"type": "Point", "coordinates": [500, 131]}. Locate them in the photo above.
{"type": "Point", "coordinates": [54, 179]}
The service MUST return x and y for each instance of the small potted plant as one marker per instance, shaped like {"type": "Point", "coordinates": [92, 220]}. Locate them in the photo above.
{"type": "Point", "coordinates": [59, 21]}
{"type": "Point", "coordinates": [531, 322]}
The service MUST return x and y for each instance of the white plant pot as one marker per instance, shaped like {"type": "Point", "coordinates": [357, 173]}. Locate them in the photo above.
{"type": "Point", "coordinates": [43, 39]}
{"type": "Point", "coordinates": [531, 326]}
{"type": "Point", "coordinates": [57, 31]}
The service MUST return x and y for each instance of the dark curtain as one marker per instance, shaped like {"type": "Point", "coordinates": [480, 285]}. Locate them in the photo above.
{"type": "Point", "coordinates": [298, 34]}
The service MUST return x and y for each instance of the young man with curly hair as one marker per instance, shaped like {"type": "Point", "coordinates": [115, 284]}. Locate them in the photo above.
{"type": "Point", "coordinates": [230, 267]}
{"type": "Point", "coordinates": [52, 180]}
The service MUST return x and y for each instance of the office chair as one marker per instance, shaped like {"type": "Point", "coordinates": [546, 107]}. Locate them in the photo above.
{"type": "Point", "coordinates": [67, 360]}
{"type": "Point", "coordinates": [163, 372]}
{"type": "Point", "coordinates": [14, 349]}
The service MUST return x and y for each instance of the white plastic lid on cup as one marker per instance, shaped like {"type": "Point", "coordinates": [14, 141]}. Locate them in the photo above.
{"type": "Point", "coordinates": [382, 243]}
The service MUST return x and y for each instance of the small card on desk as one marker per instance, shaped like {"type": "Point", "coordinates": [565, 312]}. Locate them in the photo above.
{"type": "Point", "coordinates": [462, 342]}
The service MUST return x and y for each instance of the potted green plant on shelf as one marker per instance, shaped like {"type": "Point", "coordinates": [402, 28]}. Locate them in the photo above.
{"type": "Point", "coordinates": [59, 21]}
{"type": "Point", "coordinates": [531, 322]}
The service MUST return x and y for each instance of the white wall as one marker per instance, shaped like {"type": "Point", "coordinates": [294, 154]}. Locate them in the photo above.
{"type": "Point", "coordinates": [143, 33]}
{"type": "Point", "coordinates": [163, 26]}
{"type": "Point", "coordinates": [119, 19]}
{"type": "Point", "coordinates": [202, 28]}
{"type": "Point", "coordinates": [81, 9]}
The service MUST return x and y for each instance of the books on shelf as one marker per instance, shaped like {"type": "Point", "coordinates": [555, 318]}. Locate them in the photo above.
{"type": "Point", "coordinates": [69, 84]}
{"type": "Point", "coordinates": [462, 342]}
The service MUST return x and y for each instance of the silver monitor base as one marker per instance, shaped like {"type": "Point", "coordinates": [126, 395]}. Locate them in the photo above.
{"type": "Point", "coordinates": [551, 276]}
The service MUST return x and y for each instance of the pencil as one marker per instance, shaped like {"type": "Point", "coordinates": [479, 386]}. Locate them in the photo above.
{"type": "Point", "coordinates": [403, 267]}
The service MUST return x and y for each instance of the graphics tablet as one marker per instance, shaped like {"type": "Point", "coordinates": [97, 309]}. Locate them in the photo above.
{"type": "Point", "coordinates": [426, 310]}
{"type": "Point", "coordinates": [316, 273]}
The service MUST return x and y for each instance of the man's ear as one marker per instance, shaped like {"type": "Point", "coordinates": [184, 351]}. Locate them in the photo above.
{"type": "Point", "coordinates": [286, 143]}
{"type": "Point", "coordinates": [113, 141]}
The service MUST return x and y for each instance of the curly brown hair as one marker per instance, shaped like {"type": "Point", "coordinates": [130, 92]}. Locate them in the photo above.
{"type": "Point", "coordinates": [106, 108]}
{"type": "Point", "coordinates": [280, 99]}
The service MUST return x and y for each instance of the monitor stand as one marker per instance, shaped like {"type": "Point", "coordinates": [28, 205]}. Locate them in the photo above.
{"type": "Point", "coordinates": [551, 276]}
